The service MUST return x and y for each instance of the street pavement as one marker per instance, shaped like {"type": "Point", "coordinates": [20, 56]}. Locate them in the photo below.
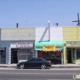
{"type": "Point", "coordinates": [38, 74]}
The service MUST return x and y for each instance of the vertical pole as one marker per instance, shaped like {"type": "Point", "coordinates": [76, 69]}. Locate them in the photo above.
{"type": "Point", "coordinates": [49, 28]}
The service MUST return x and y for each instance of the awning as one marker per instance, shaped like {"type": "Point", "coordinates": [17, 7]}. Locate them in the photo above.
{"type": "Point", "coordinates": [39, 45]}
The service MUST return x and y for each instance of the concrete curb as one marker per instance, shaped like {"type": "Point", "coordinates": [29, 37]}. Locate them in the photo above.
{"type": "Point", "coordinates": [3, 66]}
{"type": "Point", "coordinates": [8, 66]}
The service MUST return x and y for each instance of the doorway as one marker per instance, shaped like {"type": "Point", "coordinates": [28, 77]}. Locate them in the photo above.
{"type": "Point", "coordinates": [14, 58]}
{"type": "Point", "coordinates": [69, 56]}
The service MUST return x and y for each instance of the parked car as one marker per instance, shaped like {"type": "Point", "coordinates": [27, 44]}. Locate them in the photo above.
{"type": "Point", "coordinates": [34, 63]}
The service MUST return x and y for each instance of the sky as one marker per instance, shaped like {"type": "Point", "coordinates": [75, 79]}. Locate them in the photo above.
{"type": "Point", "coordinates": [36, 13]}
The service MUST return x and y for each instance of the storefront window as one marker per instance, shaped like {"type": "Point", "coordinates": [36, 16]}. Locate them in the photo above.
{"type": "Point", "coordinates": [53, 56]}
{"type": "Point", "coordinates": [25, 54]}
{"type": "Point", "coordinates": [39, 54]}
{"type": "Point", "coordinates": [78, 54]}
{"type": "Point", "coordinates": [58, 53]}
{"type": "Point", "coordinates": [23, 57]}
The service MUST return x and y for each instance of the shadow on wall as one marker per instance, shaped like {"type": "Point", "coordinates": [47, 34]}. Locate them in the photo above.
{"type": "Point", "coordinates": [45, 31]}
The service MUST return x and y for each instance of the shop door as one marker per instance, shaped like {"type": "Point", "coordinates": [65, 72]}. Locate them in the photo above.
{"type": "Point", "coordinates": [69, 56]}
{"type": "Point", "coordinates": [14, 58]}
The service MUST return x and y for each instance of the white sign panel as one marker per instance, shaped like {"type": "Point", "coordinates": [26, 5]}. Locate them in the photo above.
{"type": "Point", "coordinates": [13, 45]}
{"type": "Point", "coordinates": [25, 44]}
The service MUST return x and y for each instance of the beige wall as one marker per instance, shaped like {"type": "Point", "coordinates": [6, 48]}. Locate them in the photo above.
{"type": "Point", "coordinates": [71, 33]}
{"type": "Point", "coordinates": [18, 34]}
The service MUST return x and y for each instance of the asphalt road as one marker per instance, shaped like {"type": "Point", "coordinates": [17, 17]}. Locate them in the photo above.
{"type": "Point", "coordinates": [38, 74]}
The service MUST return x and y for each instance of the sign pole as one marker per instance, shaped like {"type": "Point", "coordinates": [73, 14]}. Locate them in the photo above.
{"type": "Point", "coordinates": [49, 28]}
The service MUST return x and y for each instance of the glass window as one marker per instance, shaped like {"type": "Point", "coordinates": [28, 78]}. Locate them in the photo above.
{"type": "Point", "coordinates": [58, 53]}
{"type": "Point", "coordinates": [23, 57]}
{"type": "Point", "coordinates": [78, 54]}
{"type": "Point", "coordinates": [25, 54]}
{"type": "Point", "coordinates": [39, 54]}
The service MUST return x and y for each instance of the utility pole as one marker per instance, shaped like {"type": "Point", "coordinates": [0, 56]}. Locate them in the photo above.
{"type": "Point", "coordinates": [57, 24]}
{"type": "Point", "coordinates": [49, 28]}
{"type": "Point", "coordinates": [17, 25]}
{"type": "Point", "coordinates": [78, 21]}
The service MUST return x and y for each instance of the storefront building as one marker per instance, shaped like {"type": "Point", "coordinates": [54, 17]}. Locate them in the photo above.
{"type": "Point", "coordinates": [12, 52]}
{"type": "Point", "coordinates": [73, 51]}
{"type": "Point", "coordinates": [71, 36]}
{"type": "Point", "coordinates": [61, 45]}
{"type": "Point", "coordinates": [20, 51]}
{"type": "Point", "coordinates": [49, 44]}
{"type": "Point", "coordinates": [50, 50]}
{"type": "Point", "coordinates": [16, 44]}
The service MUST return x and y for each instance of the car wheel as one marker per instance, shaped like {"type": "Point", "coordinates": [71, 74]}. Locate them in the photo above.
{"type": "Point", "coordinates": [43, 66]}
{"type": "Point", "coordinates": [22, 66]}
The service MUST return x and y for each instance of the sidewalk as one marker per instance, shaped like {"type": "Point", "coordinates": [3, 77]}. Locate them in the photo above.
{"type": "Point", "coordinates": [7, 65]}
{"type": "Point", "coordinates": [52, 66]}
{"type": "Point", "coordinates": [65, 66]}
